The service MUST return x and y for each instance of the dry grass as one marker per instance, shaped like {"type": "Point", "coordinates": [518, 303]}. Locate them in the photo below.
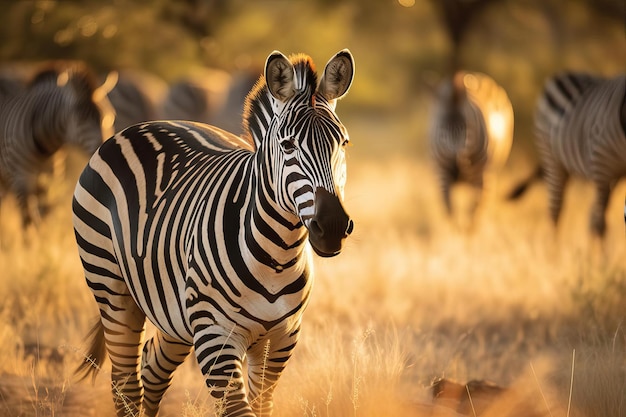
{"type": "Point", "coordinates": [411, 299]}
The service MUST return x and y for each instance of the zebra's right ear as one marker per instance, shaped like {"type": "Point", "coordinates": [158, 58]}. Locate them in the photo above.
{"type": "Point", "coordinates": [279, 76]}
{"type": "Point", "coordinates": [107, 86]}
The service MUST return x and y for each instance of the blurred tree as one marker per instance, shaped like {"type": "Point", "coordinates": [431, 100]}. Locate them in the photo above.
{"type": "Point", "coordinates": [457, 17]}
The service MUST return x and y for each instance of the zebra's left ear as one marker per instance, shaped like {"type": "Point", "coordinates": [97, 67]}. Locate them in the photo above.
{"type": "Point", "coordinates": [279, 76]}
{"type": "Point", "coordinates": [63, 78]}
{"type": "Point", "coordinates": [337, 76]}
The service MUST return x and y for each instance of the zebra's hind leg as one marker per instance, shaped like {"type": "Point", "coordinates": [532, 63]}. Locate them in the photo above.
{"type": "Point", "coordinates": [266, 362]}
{"type": "Point", "coordinates": [124, 325]}
{"type": "Point", "coordinates": [597, 220]}
{"type": "Point", "coordinates": [161, 356]}
{"type": "Point", "coordinates": [556, 178]}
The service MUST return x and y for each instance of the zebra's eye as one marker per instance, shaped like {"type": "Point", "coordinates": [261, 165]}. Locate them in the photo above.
{"type": "Point", "coordinates": [289, 145]}
{"type": "Point", "coordinates": [345, 142]}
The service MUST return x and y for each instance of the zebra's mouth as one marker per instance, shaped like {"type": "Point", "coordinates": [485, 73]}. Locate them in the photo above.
{"type": "Point", "coordinates": [325, 254]}
{"type": "Point", "coordinates": [330, 225]}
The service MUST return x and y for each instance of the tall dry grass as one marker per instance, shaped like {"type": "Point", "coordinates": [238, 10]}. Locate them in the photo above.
{"type": "Point", "coordinates": [412, 298]}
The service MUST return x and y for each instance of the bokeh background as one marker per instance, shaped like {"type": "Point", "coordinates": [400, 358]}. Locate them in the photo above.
{"type": "Point", "coordinates": [412, 297]}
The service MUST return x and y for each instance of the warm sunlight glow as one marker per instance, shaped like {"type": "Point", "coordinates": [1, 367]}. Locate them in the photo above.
{"type": "Point", "coordinates": [497, 125]}
{"type": "Point", "coordinates": [407, 3]}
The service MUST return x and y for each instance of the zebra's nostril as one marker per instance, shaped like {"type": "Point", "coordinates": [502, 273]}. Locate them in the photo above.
{"type": "Point", "coordinates": [350, 228]}
{"type": "Point", "coordinates": [315, 228]}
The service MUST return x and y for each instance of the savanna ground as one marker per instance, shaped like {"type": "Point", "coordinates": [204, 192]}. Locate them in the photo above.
{"type": "Point", "coordinates": [410, 299]}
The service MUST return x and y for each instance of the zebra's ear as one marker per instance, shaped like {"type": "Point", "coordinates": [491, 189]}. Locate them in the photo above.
{"type": "Point", "coordinates": [63, 78]}
{"type": "Point", "coordinates": [279, 76]}
{"type": "Point", "coordinates": [107, 86]}
{"type": "Point", "coordinates": [337, 76]}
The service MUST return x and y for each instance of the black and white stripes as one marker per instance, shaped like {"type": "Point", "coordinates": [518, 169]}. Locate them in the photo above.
{"type": "Point", "coordinates": [580, 126]}
{"type": "Point", "coordinates": [209, 236]}
{"type": "Point", "coordinates": [471, 133]}
{"type": "Point", "coordinates": [60, 106]}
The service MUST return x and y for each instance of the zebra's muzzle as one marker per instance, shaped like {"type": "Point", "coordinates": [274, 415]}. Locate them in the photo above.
{"type": "Point", "coordinates": [330, 224]}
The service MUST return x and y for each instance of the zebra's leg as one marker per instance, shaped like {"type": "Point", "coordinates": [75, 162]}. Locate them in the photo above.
{"type": "Point", "coordinates": [266, 361]}
{"type": "Point", "coordinates": [220, 354]}
{"type": "Point", "coordinates": [124, 327]}
{"type": "Point", "coordinates": [556, 178]}
{"type": "Point", "coordinates": [161, 356]}
{"type": "Point", "coordinates": [445, 183]}
{"type": "Point", "coordinates": [25, 190]}
{"type": "Point", "coordinates": [597, 219]}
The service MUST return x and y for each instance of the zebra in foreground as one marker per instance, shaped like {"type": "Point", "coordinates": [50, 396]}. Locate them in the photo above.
{"type": "Point", "coordinates": [580, 128]}
{"type": "Point", "coordinates": [471, 133]}
{"type": "Point", "coordinates": [205, 234]}
{"type": "Point", "coordinates": [61, 105]}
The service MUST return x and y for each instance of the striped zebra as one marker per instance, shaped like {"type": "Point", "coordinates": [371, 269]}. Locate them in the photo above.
{"type": "Point", "coordinates": [471, 133]}
{"type": "Point", "coordinates": [580, 129]}
{"type": "Point", "coordinates": [205, 234]}
{"type": "Point", "coordinates": [61, 105]}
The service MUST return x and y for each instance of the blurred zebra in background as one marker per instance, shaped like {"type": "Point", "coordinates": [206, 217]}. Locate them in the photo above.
{"type": "Point", "coordinates": [136, 97]}
{"type": "Point", "coordinates": [10, 86]}
{"type": "Point", "coordinates": [580, 128]}
{"type": "Point", "coordinates": [471, 134]}
{"type": "Point", "coordinates": [187, 100]}
{"type": "Point", "coordinates": [211, 236]}
{"type": "Point", "coordinates": [61, 105]}
{"type": "Point", "coordinates": [209, 96]}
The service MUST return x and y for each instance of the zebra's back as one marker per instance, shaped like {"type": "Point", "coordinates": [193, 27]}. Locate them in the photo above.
{"type": "Point", "coordinates": [592, 133]}
{"type": "Point", "coordinates": [578, 123]}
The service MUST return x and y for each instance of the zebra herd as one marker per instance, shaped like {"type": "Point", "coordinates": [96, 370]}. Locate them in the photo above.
{"type": "Point", "coordinates": [67, 107]}
{"type": "Point", "coordinates": [210, 235]}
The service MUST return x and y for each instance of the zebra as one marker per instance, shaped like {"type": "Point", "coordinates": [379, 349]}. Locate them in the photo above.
{"type": "Point", "coordinates": [471, 132]}
{"type": "Point", "coordinates": [205, 234]}
{"type": "Point", "coordinates": [213, 97]}
{"type": "Point", "coordinates": [131, 104]}
{"type": "Point", "coordinates": [61, 105]}
{"type": "Point", "coordinates": [187, 100]}
{"type": "Point", "coordinates": [580, 129]}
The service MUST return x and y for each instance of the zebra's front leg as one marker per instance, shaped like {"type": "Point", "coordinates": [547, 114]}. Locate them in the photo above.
{"type": "Point", "coordinates": [161, 356]}
{"type": "Point", "coordinates": [266, 361]}
{"type": "Point", "coordinates": [220, 354]}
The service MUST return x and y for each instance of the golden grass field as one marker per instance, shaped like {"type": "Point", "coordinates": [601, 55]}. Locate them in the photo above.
{"type": "Point", "coordinates": [412, 298]}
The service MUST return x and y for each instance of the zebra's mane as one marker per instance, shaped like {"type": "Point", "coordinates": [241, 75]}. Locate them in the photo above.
{"type": "Point", "coordinates": [258, 113]}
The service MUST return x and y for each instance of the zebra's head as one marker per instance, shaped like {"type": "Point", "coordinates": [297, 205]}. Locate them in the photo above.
{"type": "Point", "coordinates": [307, 142]}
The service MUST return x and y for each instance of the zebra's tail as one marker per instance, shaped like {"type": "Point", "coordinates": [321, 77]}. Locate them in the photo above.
{"type": "Point", "coordinates": [95, 356]}
{"type": "Point", "coordinates": [521, 188]}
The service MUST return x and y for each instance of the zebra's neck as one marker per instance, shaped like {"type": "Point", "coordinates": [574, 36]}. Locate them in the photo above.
{"type": "Point", "coordinates": [48, 124]}
{"type": "Point", "coordinates": [277, 239]}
